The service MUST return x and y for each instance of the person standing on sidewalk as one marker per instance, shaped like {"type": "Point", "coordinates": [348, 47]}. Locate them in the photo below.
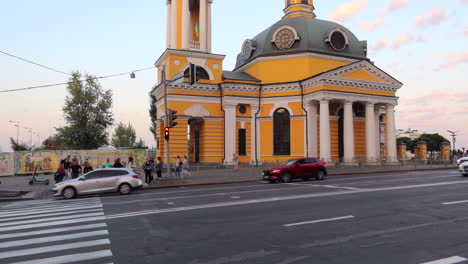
{"type": "Point", "coordinates": [178, 165]}
{"type": "Point", "coordinates": [185, 167]}
{"type": "Point", "coordinates": [59, 174]}
{"type": "Point", "coordinates": [147, 168]}
{"type": "Point", "coordinates": [75, 169]}
{"type": "Point", "coordinates": [235, 163]}
{"type": "Point", "coordinates": [117, 163]}
{"type": "Point", "coordinates": [108, 164]}
{"type": "Point", "coordinates": [87, 167]}
{"type": "Point", "coordinates": [66, 166]}
{"type": "Point", "coordinates": [159, 167]}
{"type": "Point", "coordinates": [130, 164]}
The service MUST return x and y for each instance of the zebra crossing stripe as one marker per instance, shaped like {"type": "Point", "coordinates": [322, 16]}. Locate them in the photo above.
{"type": "Point", "coordinates": [41, 250]}
{"type": "Point", "coordinates": [33, 241]}
{"type": "Point", "coordinates": [52, 219]}
{"type": "Point", "coordinates": [55, 223]}
{"type": "Point", "coordinates": [32, 203]}
{"type": "Point", "coordinates": [55, 230]}
{"type": "Point", "coordinates": [70, 258]}
{"type": "Point", "coordinates": [38, 211]}
{"type": "Point", "coordinates": [53, 214]}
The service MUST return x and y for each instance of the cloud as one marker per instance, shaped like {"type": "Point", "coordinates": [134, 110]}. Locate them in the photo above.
{"type": "Point", "coordinates": [371, 26]}
{"type": "Point", "coordinates": [453, 59]}
{"type": "Point", "coordinates": [405, 38]}
{"type": "Point", "coordinates": [463, 2]}
{"type": "Point", "coordinates": [348, 11]}
{"type": "Point", "coordinates": [393, 5]}
{"type": "Point", "coordinates": [433, 18]}
{"type": "Point", "coordinates": [465, 30]}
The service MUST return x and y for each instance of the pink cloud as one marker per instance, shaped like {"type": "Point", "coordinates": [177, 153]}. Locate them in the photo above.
{"type": "Point", "coordinates": [348, 11]}
{"type": "Point", "coordinates": [371, 26]}
{"type": "Point", "coordinates": [453, 59]}
{"type": "Point", "coordinates": [381, 44]}
{"type": "Point", "coordinates": [393, 6]}
{"type": "Point", "coordinates": [463, 2]}
{"type": "Point", "coordinates": [433, 18]}
{"type": "Point", "coordinates": [405, 38]}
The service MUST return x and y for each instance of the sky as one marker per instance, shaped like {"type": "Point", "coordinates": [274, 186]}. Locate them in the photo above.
{"type": "Point", "coordinates": [422, 43]}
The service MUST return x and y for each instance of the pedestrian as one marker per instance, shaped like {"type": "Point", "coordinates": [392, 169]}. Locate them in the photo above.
{"type": "Point", "coordinates": [185, 167]}
{"type": "Point", "coordinates": [75, 169]}
{"type": "Point", "coordinates": [147, 168]}
{"type": "Point", "coordinates": [87, 167]}
{"type": "Point", "coordinates": [108, 164]}
{"type": "Point", "coordinates": [178, 165]}
{"type": "Point", "coordinates": [235, 163]}
{"type": "Point", "coordinates": [66, 166]}
{"type": "Point", "coordinates": [117, 163]}
{"type": "Point", "coordinates": [130, 163]}
{"type": "Point", "coordinates": [153, 168]}
{"type": "Point", "coordinates": [59, 174]}
{"type": "Point", "coordinates": [159, 167]}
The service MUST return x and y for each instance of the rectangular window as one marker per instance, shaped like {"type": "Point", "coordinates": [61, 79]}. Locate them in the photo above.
{"type": "Point", "coordinates": [242, 147]}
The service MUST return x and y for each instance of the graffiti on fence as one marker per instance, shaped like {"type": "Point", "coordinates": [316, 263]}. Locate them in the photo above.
{"type": "Point", "coordinates": [6, 164]}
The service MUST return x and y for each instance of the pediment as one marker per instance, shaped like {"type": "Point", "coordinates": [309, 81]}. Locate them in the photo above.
{"type": "Point", "coordinates": [197, 110]}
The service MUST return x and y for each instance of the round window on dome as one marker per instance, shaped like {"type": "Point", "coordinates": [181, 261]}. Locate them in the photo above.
{"type": "Point", "coordinates": [338, 41]}
{"type": "Point", "coordinates": [285, 39]}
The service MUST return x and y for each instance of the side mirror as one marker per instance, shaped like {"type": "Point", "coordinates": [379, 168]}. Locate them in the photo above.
{"type": "Point", "coordinates": [297, 164]}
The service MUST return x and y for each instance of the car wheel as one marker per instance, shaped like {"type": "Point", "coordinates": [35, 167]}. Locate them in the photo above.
{"type": "Point", "coordinates": [31, 182]}
{"type": "Point", "coordinates": [125, 189]}
{"type": "Point", "coordinates": [307, 178]}
{"type": "Point", "coordinates": [272, 181]}
{"type": "Point", "coordinates": [69, 193]}
{"type": "Point", "coordinates": [286, 177]}
{"type": "Point", "coordinates": [320, 175]}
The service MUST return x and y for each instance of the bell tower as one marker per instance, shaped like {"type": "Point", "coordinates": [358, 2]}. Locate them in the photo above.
{"type": "Point", "coordinates": [299, 8]}
{"type": "Point", "coordinates": [189, 25]}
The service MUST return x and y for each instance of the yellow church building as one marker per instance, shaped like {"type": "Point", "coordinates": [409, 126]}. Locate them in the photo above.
{"type": "Point", "coordinates": [302, 87]}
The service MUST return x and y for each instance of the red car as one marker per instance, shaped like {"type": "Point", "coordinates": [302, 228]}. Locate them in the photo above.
{"type": "Point", "coordinates": [304, 168]}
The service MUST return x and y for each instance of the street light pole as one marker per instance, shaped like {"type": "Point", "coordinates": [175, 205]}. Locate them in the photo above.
{"type": "Point", "coordinates": [17, 130]}
{"type": "Point", "coordinates": [30, 140]}
{"type": "Point", "coordinates": [454, 139]}
{"type": "Point", "coordinates": [166, 115]}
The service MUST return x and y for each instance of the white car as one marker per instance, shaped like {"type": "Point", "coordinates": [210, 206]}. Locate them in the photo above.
{"type": "Point", "coordinates": [462, 160]}
{"type": "Point", "coordinates": [100, 181]}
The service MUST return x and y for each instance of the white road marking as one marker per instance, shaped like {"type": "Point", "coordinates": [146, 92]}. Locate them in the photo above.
{"type": "Point", "coordinates": [42, 202]}
{"type": "Point", "coordinates": [41, 250]}
{"type": "Point", "coordinates": [55, 230]}
{"type": "Point", "coordinates": [450, 260]}
{"type": "Point", "coordinates": [55, 223]}
{"type": "Point", "coordinates": [457, 202]}
{"type": "Point", "coordinates": [32, 241]}
{"type": "Point", "coordinates": [235, 197]}
{"type": "Point", "coordinates": [398, 180]}
{"type": "Point", "coordinates": [38, 211]}
{"type": "Point", "coordinates": [46, 205]}
{"type": "Point", "coordinates": [320, 221]}
{"type": "Point", "coordinates": [282, 198]}
{"type": "Point", "coordinates": [17, 223]}
{"type": "Point", "coordinates": [53, 214]}
{"type": "Point", "coordinates": [70, 258]}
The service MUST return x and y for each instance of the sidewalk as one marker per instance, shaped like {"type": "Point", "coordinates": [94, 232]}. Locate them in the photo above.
{"type": "Point", "coordinates": [20, 184]}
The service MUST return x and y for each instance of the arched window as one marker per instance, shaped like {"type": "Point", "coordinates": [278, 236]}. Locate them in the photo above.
{"type": "Point", "coordinates": [281, 132]}
{"type": "Point", "coordinates": [201, 73]}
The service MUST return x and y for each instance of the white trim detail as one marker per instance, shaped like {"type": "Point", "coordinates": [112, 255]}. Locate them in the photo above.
{"type": "Point", "coordinates": [197, 110]}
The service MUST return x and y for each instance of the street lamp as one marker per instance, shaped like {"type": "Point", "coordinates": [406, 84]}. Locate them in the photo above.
{"type": "Point", "coordinates": [17, 130]}
{"type": "Point", "coordinates": [454, 138]}
{"type": "Point", "coordinates": [30, 131]}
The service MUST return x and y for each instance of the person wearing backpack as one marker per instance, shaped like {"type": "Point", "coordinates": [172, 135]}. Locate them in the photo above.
{"type": "Point", "coordinates": [147, 168]}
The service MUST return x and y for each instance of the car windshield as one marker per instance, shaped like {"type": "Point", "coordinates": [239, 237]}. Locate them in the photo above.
{"type": "Point", "coordinates": [291, 162]}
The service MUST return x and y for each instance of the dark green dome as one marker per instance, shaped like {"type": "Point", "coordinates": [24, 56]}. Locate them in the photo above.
{"type": "Point", "coordinates": [313, 35]}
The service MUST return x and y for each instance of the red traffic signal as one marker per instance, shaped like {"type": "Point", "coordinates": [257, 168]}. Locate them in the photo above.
{"type": "Point", "coordinates": [166, 133]}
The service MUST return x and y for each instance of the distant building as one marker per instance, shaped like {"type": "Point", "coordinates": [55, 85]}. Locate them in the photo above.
{"type": "Point", "coordinates": [410, 133]}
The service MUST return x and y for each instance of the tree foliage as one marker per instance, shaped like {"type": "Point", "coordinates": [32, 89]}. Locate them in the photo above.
{"type": "Point", "coordinates": [16, 146]}
{"type": "Point", "coordinates": [153, 115]}
{"type": "Point", "coordinates": [433, 141]}
{"type": "Point", "coordinates": [140, 144]}
{"type": "Point", "coordinates": [53, 143]}
{"type": "Point", "coordinates": [88, 114]}
{"type": "Point", "coordinates": [124, 136]}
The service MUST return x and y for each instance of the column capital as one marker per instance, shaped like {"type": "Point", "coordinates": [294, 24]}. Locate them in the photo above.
{"type": "Point", "coordinates": [229, 105]}
{"type": "Point", "coordinates": [325, 100]}
{"type": "Point", "coordinates": [348, 101]}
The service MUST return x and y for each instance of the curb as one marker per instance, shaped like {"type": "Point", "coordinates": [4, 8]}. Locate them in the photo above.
{"type": "Point", "coordinates": [256, 180]}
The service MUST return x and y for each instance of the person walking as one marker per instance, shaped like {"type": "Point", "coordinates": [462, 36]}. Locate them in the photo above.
{"type": "Point", "coordinates": [87, 167]}
{"type": "Point", "coordinates": [66, 166]}
{"type": "Point", "coordinates": [178, 165]}
{"type": "Point", "coordinates": [117, 163]}
{"type": "Point", "coordinates": [75, 169]}
{"type": "Point", "coordinates": [59, 174]}
{"type": "Point", "coordinates": [108, 164]}
{"type": "Point", "coordinates": [185, 167]}
{"type": "Point", "coordinates": [235, 163]}
{"type": "Point", "coordinates": [130, 163]}
{"type": "Point", "coordinates": [147, 168]}
{"type": "Point", "coordinates": [159, 167]}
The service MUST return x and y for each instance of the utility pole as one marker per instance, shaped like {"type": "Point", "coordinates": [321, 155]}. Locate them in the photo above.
{"type": "Point", "coordinates": [17, 130]}
{"type": "Point", "coordinates": [454, 139]}
{"type": "Point", "coordinates": [166, 123]}
{"type": "Point", "coordinates": [30, 140]}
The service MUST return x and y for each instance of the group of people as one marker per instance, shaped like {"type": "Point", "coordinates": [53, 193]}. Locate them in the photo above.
{"type": "Point", "coordinates": [150, 166]}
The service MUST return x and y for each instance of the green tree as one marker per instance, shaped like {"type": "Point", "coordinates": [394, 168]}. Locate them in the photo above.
{"type": "Point", "coordinates": [433, 141]}
{"type": "Point", "coordinates": [153, 115]}
{"type": "Point", "coordinates": [88, 114]}
{"type": "Point", "coordinates": [124, 136]}
{"type": "Point", "coordinates": [16, 146]}
{"type": "Point", "coordinates": [410, 144]}
{"type": "Point", "coordinates": [140, 144]}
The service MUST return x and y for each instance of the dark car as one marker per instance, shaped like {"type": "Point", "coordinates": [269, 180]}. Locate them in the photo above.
{"type": "Point", "coordinates": [304, 168]}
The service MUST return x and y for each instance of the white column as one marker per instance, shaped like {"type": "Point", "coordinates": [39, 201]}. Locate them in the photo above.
{"type": "Point", "coordinates": [377, 132]}
{"type": "Point", "coordinates": [325, 140]}
{"type": "Point", "coordinates": [168, 26]}
{"type": "Point", "coordinates": [348, 133]}
{"type": "Point", "coordinates": [391, 134]}
{"type": "Point", "coordinates": [370, 132]}
{"type": "Point", "coordinates": [230, 132]}
{"type": "Point", "coordinates": [253, 139]}
{"type": "Point", "coordinates": [203, 24]}
{"type": "Point", "coordinates": [174, 26]}
{"type": "Point", "coordinates": [312, 129]}
{"type": "Point", "coordinates": [185, 25]}
{"type": "Point", "coordinates": [208, 27]}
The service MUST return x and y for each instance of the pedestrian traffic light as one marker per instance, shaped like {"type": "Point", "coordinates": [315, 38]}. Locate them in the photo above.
{"type": "Point", "coordinates": [193, 74]}
{"type": "Point", "coordinates": [166, 133]}
{"type": "Point", "coordinates": [172, 117]}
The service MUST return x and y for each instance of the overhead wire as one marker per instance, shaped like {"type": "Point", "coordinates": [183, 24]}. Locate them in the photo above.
{"type": "Point", "coordinates": [34, 63]}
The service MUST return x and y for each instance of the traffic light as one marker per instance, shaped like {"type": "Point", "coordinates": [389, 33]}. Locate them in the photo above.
{"type": "Point", "coordinates": [193, 74]}
{"type": "Point", "coordinates": [166, 133]}
{"type": "Point", "coordinates": [172, 117]}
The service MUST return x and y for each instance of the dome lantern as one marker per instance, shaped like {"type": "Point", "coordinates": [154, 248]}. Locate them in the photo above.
{"type": "Point", "coordinates": [298, 8]}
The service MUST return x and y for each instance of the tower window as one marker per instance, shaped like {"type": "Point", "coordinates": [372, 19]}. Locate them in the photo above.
{"type": "Point", "coordinates": [281, 132]}
{"type": "Point", "coordinates": [242, 144]}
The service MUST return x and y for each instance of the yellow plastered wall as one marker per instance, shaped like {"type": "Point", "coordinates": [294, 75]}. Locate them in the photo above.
{"type": "Point", "coordinates": [334, 139]}
{"type": "Point", "coordinates": [361, 75]}
{"type": "Point", "coordinates": [288, 70]}
{"type": "Point", "coordinates": [297, 138]}
{"type": "Point", "coordinates": [172, 68]}
{"type": "Point", "coordinates": [360, 141]}
{"type": "Point", "coordinates": [212, 142]}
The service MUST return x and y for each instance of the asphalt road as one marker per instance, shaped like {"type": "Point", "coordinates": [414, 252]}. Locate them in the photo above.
{"type": "Point", "coordinates": [413, 217]}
